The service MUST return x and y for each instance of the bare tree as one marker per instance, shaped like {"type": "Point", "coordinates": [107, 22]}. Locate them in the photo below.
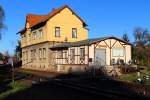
{"type": "Point", "coordinates": [142, 46]}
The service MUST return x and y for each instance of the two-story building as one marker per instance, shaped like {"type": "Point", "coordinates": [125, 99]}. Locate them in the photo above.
{"type": "Point", "coordinates": [41, 31]}
{"type": "Point", "coordinates": [59, 41]}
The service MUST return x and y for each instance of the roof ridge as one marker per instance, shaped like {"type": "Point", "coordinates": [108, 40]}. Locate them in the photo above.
{"type": "Point", "coordinates": [35, 19]}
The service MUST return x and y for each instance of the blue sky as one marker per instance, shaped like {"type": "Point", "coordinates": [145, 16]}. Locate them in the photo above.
{"type": "Point", "coordinates": [104, 17]}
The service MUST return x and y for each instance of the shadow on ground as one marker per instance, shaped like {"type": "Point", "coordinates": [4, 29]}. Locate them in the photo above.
{"type": "Point", "coordinates": [48, 90]}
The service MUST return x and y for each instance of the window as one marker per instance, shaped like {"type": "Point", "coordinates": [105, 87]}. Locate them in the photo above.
{"type": "Point", "coordinates": [31, 55]}
{"type": "Point", "coordinates": [34, 35]}
{"type": "Point", "coordinates": [41, 33]}
{"type": "Point", "coordinates": [26, 55]}
{"type": "Point", "coordinates": [74, 32]}
{"type": "Point", "coordinates": [118, 52]}
{"type": "Point", "coordinates": [34, 54]}
{"type": "Point", "coordinates": [40, 53]}
{"type": "Point", "coordinates": [23, 56]}
{"type": "Point", "coordinates": [60, 54]}
{"type": "Point", "coordinates": [22, 36]}
{"type": "Point", "coordinates": [29, 37]}
{"type": "Point", "coordinates": [57, 31]}
{"type": "Point", "coordinates": [72, 53]}
{"type": "Point", "coordinates": [82, 52]}
{"type": "Point", "coordinates": [44, 53]}
{"type": "Point", "coordinates": [65, 54]}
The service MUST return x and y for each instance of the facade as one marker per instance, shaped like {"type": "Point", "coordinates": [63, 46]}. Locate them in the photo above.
{"type": "Point", "coordinates": [101, 51]}
{"type": "Point", "coordinates": [59, 42]}
{"type": "Point", "coordinates": [42, 31]}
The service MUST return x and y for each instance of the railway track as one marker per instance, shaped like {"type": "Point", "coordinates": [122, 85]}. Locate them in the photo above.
{"type": "Point", "coordinates": [110, 95]}
{"type": "Point", "coordinates": [99, 92]}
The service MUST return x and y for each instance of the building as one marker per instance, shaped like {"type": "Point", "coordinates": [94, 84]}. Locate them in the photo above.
{"type": "Point", "coordinates": [42, 31]}
{"type": "Point", "coordinates": [59, 41]}
{"type": "Point", "coordinates": [100, 51]}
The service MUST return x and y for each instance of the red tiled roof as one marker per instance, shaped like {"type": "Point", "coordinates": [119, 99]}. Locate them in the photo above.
{"type": "Point", "coordinates": [34, 19]}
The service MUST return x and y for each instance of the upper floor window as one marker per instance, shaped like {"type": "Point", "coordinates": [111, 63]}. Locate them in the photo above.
{"type": "Point", "coordinates": [34, 35]}
{"type": "Point", "coordinates": [22, 36]}
{"type": "Point", "coordinates": [57, 31]}
{"type": "Point", "coordinates": [29, 37]}
{"type": "Point", "coordinates": [41, 33]}
{"type": "Point", "coordinates": [74, 32]}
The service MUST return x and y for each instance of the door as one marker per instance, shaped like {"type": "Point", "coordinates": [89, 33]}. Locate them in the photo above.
{"type": "Point", "coordinates": [100, 56]}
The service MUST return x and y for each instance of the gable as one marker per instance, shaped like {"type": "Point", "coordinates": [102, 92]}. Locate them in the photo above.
{"type": "Point", "coordinates": [66, 16]}
{"type": "Point", "coordinates": [34, 19]}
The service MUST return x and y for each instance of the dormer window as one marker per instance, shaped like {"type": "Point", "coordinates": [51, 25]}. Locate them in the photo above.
{"type": "Point", "coordinates": [57, 31]}
{"type": "Point", "coordinates": [74, 32]}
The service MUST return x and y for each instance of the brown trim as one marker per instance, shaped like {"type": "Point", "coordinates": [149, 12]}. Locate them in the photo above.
{"type": "Point", "coordinates": [35, 44]}
{"type": "Point", "coordinates": [114, 44]}
{"type": "Point", "coordinates": [79, 55]}
{"type": "Point", "coordinates": [88, 54]}
{"type": "Point", "coordinates": [110, 51]}
{"type": "Point", "coordinates": [125, 53]}
{"type": "Point", "coordinates": [60, 58]}
{"type": "Point", "coordinates": [121, 44]}
{"type": "Point", "coordinates": [72, 64]}
{"type": "Point", "coordinates": [107, 44]}
{"type": "Point", "coordinates": [94, 52]}
{"type": "Point", "coordinates": [97, 44]}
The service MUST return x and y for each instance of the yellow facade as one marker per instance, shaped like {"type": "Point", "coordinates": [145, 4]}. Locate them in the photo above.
{"type": "Point", "coordinates": [66, 20]}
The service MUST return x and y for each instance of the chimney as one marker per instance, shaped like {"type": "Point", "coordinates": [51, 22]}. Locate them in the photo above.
{"type": "Point", "coordinates": [53, 9]}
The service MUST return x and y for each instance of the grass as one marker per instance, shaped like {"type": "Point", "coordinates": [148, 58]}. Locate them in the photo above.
{"type": "Point", "coordinates": [15, 87]}
{"type": "Point", "coordinates": [132, 77]}
{"type": "Point", "coordinates": [129, 77]}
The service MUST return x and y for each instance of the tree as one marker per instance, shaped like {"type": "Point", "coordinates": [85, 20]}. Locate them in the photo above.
{"type": "Point", "coordinates": [1, 57]}
{"type": "Point", "coordinates": [2, 16]}
{"type": "Point", "coordinates": [125, 37]}
{"type": "Point", "coordinates": [18, 51]}
{"type": "Point", "coordinates": [141, 46]}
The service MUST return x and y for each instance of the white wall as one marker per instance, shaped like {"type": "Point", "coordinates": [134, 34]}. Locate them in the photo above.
{"type": "Point", "coordinates": [111, 42]}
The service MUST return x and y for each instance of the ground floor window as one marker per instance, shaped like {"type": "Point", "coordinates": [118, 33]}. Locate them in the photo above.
{"type": "Point", "coordinates": [72, 55]}
{"type": "Point", "coordinates": [60, 54]}
{"type": "Point", "coordinates": [44, 53]}
{"type": "Point", "coordinates": [40, 54]}
{"type": "Point", "coordinates": [118, 52]}
{"type": "Point", "coordinates": [82, 52]}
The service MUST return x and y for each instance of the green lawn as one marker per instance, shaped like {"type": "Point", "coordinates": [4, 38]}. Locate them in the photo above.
{"type": "Point", "coordinates": [132, 77]}
{"type": "Point", "coordinates": [15, 87]}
